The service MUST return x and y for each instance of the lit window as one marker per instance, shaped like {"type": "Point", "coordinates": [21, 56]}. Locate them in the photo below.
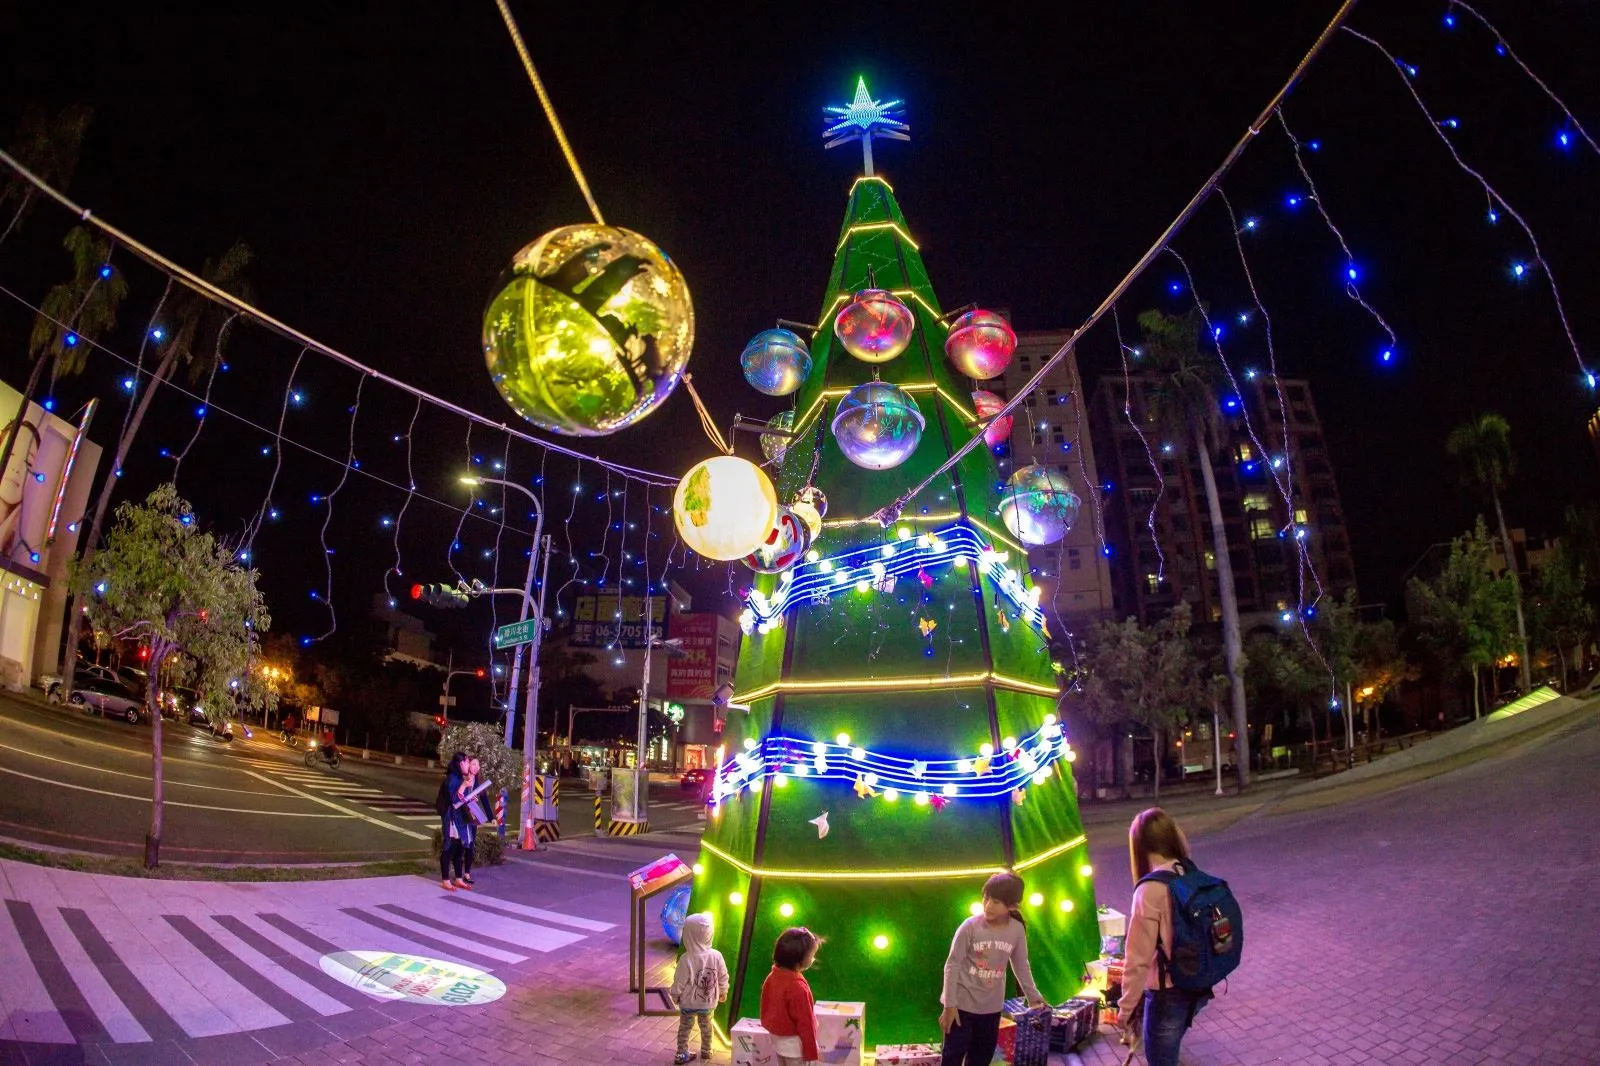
{"type": "Point", "coordinates": [1255, 501]}
{"type": "Point", "coordinates": [1152, 582]}
{"type": "Point", "coordinates": [1216, 613]}
{"type": "Point", "coordinates": [1300, 516]}
{"type": "Point", "coordinates": [1211, 560]}
{"type": "Point", "coordinates": [1261, 529]}
{"type": "Point", "coordinates": [1245, 454]}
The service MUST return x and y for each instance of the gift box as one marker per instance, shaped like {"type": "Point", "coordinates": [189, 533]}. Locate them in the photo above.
{"type": "Point", "coordinates": [910, 1054]}
{"type": "Point", "coordinates": [841, 1032]}
{"type": "Point", "coordinates": [752, 1045]}
{"type": "Point", "coordinates": [1113, 947]}
{"type": "Point", "coordinates": [1073, 1022]}
{"type": "Point", "coordinates": [1007, 1043]}
{"type": "Point", "coordinates": [1031, 1038]}
{"type": "Point", "coordinates": [1108, 1014]}
{"type": "Point", "coordinates": [1112, 922]}
{"type": "Point", "coordinates": [1098, 975]}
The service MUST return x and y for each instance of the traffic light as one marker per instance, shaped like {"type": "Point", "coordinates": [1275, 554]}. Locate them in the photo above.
{"type": "Point", "coordinates": [440, 595]}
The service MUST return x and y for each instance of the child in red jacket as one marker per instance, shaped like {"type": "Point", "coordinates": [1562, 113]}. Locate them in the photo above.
{"type": "Point", "coordinates": [787, 1009]}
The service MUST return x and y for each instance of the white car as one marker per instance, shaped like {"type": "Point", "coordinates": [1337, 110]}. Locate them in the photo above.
{"type": "Point", "coordinates": [101, 691]}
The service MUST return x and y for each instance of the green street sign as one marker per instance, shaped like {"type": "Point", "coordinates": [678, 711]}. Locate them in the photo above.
{"type": "Point", "coordinates": [509, 636]}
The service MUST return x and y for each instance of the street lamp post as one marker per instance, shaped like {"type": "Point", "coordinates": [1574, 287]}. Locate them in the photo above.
{"type": "Point", "coordinates": [530, 731]}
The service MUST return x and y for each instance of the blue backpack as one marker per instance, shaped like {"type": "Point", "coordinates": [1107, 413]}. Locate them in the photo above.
{"type": "Point", "coordinates": [1207, 928]}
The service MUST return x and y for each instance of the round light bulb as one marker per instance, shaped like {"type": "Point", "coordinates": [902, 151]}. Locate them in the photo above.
{"type": "Point", "coordinates": [949, 790]}
{"type": "Point", "coordinates": [859, 754]}
{"type": "Point", "coordinates": [699, 869]}
{"type": "Point", "coordinates": [1086, 870]}
{"type": "Point", "coordinates": [986, 749]}
{"type": "Point", "coordinates": [880, 942]}
{"type": "Point", "coordinates": [1035, 899]}
{"type": "Point", "coordinates": [1066, 905]}
{"type": "Point", "coordinates": [749, 743]}
{"type": "Point", "coordinates": [843, 740]}
{"type": "Point", "coordinates": [1009, 743]}
{"type": "Point", "coordinates": [779, 780]}
{"type": "Point", "coordinates": [922, 799]}
{"type": "Point", "coordinates": [976, 910]}
{"type": "Point", "coordinates": [736, 898]}
{"type": "Point", "coordinates": [891, 794]}
{"type": "Point", "coordinates": [786, 910]}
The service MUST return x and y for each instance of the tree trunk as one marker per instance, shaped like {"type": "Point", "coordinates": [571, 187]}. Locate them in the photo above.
{"type": "Point", "coordinates": [1125, 757]}
{"type": "Point", "coordinates": [91, 540]}
{"type": "Point", "coordinates": [1155, 750]}
{"type": "Point", "coordinates": [152, 840]}
{"type": "Point", "coordinates": [1232, 641]}
{"type": "Point", "coordinates": [1560, 654]}
{"type": "Point", "coordinates": [1476, 711]}
{"type": "Point", "coordinates": [1516, 592]}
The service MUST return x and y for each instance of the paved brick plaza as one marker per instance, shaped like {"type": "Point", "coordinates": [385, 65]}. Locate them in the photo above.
{"type": "Point", "coordinates": [1424, 925]}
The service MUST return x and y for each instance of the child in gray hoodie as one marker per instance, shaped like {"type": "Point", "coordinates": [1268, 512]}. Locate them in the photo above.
{"type": "Point", "coordinates": [698, 985]}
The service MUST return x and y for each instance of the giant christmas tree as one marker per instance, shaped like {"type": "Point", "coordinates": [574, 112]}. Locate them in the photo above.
{"type": "Point", "coordinates": [899, 682]}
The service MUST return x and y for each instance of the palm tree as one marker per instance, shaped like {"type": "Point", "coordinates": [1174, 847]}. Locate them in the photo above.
{"type": "Point", "coordinates": [72, 313]}
{"type": "Point", "coordinates": [194, 335]}
{"type": "Point", "coordinates": [1185, 403]}
{"type": "Point", "coordinates": [47, 147]}
{"type": "Point", "coordinates": [1482, 447]}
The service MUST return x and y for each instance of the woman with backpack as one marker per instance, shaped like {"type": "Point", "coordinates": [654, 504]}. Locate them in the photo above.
{"type": "Point", "coordinates": [1170, 966]}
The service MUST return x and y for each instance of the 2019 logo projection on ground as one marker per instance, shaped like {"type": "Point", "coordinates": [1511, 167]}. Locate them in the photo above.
{"type": "Point", "coordinates": [390, 976]}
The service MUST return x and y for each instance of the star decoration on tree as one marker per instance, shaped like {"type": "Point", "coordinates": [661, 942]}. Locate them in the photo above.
{"type": "Point", "coordinates": [863, 119]}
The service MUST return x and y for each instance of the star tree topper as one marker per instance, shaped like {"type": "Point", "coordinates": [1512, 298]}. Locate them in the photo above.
{"type": "Point", "coordinates": [864, 119]}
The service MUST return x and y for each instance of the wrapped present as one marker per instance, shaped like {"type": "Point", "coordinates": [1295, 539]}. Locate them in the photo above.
{"type": "Point", "coordinates": [1007, 1042]}
{"type": "Point", "coordinates": [752, 1045]}
{"type": "Point", "coordinates": [910, 1054]}
{"type": "Point", "coordinates": [1098, 975]}
{"type": "Point", "coordinates": [1113, 947]}
{"type": "Point", "coordinates": [1108, 1013]}
{"type": "Point", "coordinates": [1112, 922]}
{"type": "Point", "coordinates": [841, 1032]}
{"type": "Point", "coordinates": [1073, 1022]}
{"type": "Point", "coordinates": [1031, 1045]}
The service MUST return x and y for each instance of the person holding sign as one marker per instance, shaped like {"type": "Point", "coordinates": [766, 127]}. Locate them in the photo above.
{"type": "Point", "coordinates": [457, 831]}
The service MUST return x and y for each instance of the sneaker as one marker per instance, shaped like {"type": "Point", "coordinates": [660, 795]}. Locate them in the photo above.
{"type": "Point", "coordinates": [682, 1057]}
{"type": "Point", "coordinates": [705, 1055]}
{"type": "Point", "coordinates": [468, 879]}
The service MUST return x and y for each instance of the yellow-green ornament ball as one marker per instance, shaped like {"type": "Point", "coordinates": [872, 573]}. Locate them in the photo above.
{"type": "Point", "coordinates": [590, 330]}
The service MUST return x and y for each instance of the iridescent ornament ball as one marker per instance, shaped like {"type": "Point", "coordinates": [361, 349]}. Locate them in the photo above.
{"type": "Point", "coordinates": [811, 505]}
{"type": "Point", "coordinates": [1039, 506]}
{"type": "Point", "coordinates": [987, 405]}
{"type": "Point", "coordinates": [877, 425]}
{"type": "Point", "coordinates": [874, 326]}
{"type": "Point", "coordinates": [776, 362]}
{"type": "Point", "coordinates": [590, 330]}
{"type": "Point", "coordinates": [786, 544]}
{"type": "Point", "coordinates": [724, 507]}
{"type": "Point", "coordinates": [774, 445]}
{"type": "Point", "coordinates": [980, 344]}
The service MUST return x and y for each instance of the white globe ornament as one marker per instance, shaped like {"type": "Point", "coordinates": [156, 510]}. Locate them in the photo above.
{"type": "Point", "coordinates": [811, 505]}
{"type": "Point", "coordinates": [724, 508]}
{"type": "Point", "coordinates": [1039, 506]}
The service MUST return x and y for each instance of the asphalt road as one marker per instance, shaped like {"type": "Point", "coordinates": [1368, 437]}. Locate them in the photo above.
{"type": "Point", "coordinates": [73, 780]}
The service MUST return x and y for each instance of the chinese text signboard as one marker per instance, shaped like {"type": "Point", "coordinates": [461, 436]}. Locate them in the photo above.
{"type": "Point", "coordinates": [603, 621]}
{"type": "Point", "coordinates": [693, 675]}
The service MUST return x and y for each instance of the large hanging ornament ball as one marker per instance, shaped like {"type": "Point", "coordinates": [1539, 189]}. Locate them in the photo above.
{"type": "Point", "coordinates": [724, 507]}
{"type": "Point", "coordinates": [785, 545]}
{"type": "Point", "coordinates": [987, 405]}
{"type": "Point", "coordinates": [874, 326]}
{"type": "Point", "coordinates": [1039, 506]}
{"type": "Point", "coordinates": [776, 362]}
{"type": "Point", "coordinates": [775, 445]}
{"type": "Point", "coordinates": [811, 505]}
{"type": "Point", "coordinates": [877, 425]}
{"type": "Point", "coordinates": [980, 344]}
{"type": "Point", "coordinates": [673, 912]}
{"type": "Point", "coordinates": [590, 330]}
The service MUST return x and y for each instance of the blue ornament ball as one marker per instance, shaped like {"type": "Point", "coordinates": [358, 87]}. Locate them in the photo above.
{"type": "Point", "coordinates": [878, 425]}
{"type": "Point", "coordinates": [776, 362]}
{"type": "Point", "coordinates": [673, 912]}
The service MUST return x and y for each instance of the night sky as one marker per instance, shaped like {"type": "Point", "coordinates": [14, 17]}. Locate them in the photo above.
{"type": "Point", "coordinates": [385, 162]}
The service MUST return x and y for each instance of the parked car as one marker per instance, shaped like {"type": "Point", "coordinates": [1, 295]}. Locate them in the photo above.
{"type": "Point", "coordinates": [99, 690]}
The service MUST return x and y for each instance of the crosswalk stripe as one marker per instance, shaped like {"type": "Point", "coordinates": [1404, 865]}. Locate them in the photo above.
{"type": "Point", "coordinates": [309, 977]}
{"type": "Point", "coordinates": [31, 1012]}
{"type": "Point", "coordinates": [501, 932]}
{"type": "Point", "coordinates": [479, 955]}
{"type": "Point", "coordinates": [120, 1024]}
{"type": "Point", "coordinates": [505, 906]}
{"type": "Point", "coordinates": [246, 976]}
{"type": "Point", "coordinates": [150, 1012]}
{"type": "Point", "coordinates": [418, 817]}
{"type": "Point", "coordinates": [185, 969]}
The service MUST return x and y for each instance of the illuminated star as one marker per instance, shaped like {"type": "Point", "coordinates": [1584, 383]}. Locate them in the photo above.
{"type": "Point", "coordinates": [918, 768]}
{"type": "Point", "coordinates": [938, 802]}
{"type": "Point", "coordinates": [927, 625]}
{"type": "Point", "coordinates": [980, 766]}
{"type": "Point", "coordinates": [1005, 622]}
{"type": "Point", "coordinates": [1019, 796]}
{"type": "Point", "coordinates": [821, 822]}
{"type": "Point", "coordinates": [864, 790]}
{"type": "Point", "coordinates": [863, 119]}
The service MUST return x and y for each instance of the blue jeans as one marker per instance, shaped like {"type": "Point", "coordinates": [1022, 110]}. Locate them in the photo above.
{"type": "Point", "coordinates": [1167, 1016]}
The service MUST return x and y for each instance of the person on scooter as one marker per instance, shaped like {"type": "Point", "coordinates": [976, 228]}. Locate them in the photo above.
{"type": "Point", "coordinates": [329, 748]}
{"type": "Point", "coordinates": [290, 724]}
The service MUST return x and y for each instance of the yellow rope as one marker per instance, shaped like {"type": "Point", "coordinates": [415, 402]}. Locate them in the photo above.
{"type": "Point", "coordinates": [705, 418]}
{"type": "Point", "coordinates": [549, 110]}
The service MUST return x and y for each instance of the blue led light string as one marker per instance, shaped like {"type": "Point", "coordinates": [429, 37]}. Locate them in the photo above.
{"type": "Point", "coordinates": [1096, 500]}
{"type": "Point", "coordinates": [566, 526]}
{"type": "Point", "coordinates": [1352, 273]}
{"type": "Point", "coordinates": [411, 491]}
{"type": "Point", "coordinates": [466, 509]}
{"type": "Point", "coordinates": [205, 400]}
{"type": "Point", "coordinates": [327, 516]}
{"type": "Point", "coordinates": [1123, 351]}
{"type": "Point", "coordinates": [151, 329]}
{"type": "Point", "coordinates": [1403, 72]}
{"type": "Point", "coordinates": [1504, 48]}
{"type": "Point", "coordinates": [267, 511]}
{"type": "Point", "coordinates": [494, 577]}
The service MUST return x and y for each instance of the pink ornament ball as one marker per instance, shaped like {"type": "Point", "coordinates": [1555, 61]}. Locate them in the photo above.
{"type": "Point", "coordinates": [987, 405]}
{"type": "Point", "coordinates": [980, 344]}
{"type": "Point", "coordinates": [874, 326]}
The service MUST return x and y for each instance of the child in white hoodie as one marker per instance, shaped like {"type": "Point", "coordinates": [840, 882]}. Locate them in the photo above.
{"type": "Point", "coordinates": [700, 983]}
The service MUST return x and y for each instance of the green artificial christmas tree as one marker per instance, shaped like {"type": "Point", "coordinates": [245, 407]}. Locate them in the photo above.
{"type": "Point", "coordinates": [900, 743]}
